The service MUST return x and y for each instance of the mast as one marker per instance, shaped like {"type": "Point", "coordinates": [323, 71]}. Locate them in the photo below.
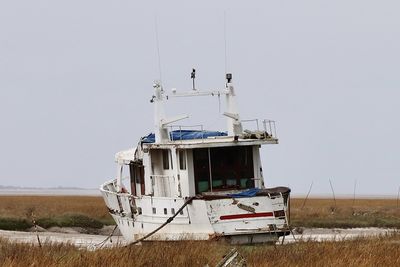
{"type": "Point", "coordinates": [160, 120]}
{"type": "Point", "coordinates": [161, 133]}
{"type": "Point", "coordinates": [234, 125]}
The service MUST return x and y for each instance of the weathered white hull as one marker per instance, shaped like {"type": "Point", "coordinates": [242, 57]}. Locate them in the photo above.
{"type": "Point", "coordinates": [243, 220]}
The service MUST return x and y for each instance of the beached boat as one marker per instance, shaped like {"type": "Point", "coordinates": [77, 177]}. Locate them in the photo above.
{"type": "Point", "coordinates": [194, 184]}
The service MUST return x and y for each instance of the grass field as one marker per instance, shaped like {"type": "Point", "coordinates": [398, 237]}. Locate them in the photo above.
{"type": "Point", "coordinates": [15, 213]}
{"type": "Point", "coordinates": [81, 211]}
{"type": "Point", "coordinates": [381, 251]}
{"type": "Point", "coordinates": [346, 214]}
{"type": "Point", "coordinates": [86, 211]}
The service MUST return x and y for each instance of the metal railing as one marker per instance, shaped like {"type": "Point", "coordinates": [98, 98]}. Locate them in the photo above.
{"type": "Point", "coordinates": [116, 201]}
{"type": "Point", "coordinates": [181, 128]}
{"type": "Point", "coordinates": [268, 126]}
{"type": "Point", "coordinates": [251, 120]}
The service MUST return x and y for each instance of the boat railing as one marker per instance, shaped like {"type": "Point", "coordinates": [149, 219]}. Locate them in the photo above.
{"type": "Point", "coordinates": [265, 125]}
{"type": "Point", "coordinates": [180, 128]}
{"type": "Point", "coordinates": [268, 126]}
{"type": "Point", "coordinates": [162, 185]}
{"type": "Point", "coordinates": [116, 201]}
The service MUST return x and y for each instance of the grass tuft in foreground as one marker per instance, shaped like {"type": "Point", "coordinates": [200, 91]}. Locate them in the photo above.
{"type": "Point", "coordinates": [381, 251]}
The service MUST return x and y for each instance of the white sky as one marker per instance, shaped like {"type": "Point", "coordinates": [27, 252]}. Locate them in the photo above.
{"type": "Point", "coordinates": [76, 79]}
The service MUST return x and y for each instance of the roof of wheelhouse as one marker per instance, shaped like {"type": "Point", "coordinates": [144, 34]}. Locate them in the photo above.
{"type": "Point", "coordinates": [184, 135]}
{"type": "Point", "coordinates": [213, 141]}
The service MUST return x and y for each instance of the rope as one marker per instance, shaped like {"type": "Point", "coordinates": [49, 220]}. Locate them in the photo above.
{"type": "Point", "coordinates": [101, 244]}
{"type": "Point", "coordinates": [170, 219]}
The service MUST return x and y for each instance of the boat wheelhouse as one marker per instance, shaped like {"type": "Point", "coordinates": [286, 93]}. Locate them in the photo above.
{"type": "Point", "coordinates": [186, 184]}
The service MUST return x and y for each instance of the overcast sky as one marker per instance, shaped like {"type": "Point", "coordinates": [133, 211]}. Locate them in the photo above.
{"type": "Point", "coordinates": [76, 79]}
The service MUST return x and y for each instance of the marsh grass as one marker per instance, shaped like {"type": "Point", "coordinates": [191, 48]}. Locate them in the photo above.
{"type": "Point", "coordinates": [14, 224]}
{"type": "Point", "coordinates": [15, 213]}
{"type": "Point", "coordinates": [88, 211]}
{"type": "Point", "coordinates": [70, 220]}
{"type": "Point", "coordinates": [363, 213]}
{"type": "Point", "coordinates": [380, 251]}
{"type": "Point", "coordinates": [62, 211]}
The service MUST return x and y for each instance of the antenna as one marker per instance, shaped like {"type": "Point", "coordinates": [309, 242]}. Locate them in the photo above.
{"type": "Point", "coordinates": [226, 61]}
{"type": "Point", "coordinates": [158, 48]}
{"type": "Point", "coordinates": [193, 76]}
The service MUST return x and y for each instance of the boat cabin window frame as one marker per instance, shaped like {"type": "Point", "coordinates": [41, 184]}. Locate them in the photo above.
{"type": "Point", "coordinates": [223, 168]}
{"type": "Point", "coordinates": [182, 159]}
{"type": "Point", "coordinates": [165, 159]}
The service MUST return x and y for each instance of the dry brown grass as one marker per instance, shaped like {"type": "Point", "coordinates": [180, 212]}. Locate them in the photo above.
{"type": "Point", "coordinates": [51, 210]}
{"type": "Point", "coordinates": [363, 213]}
{"type": "Point", "coordinates": [49, 206]}
{"type": "Point", "coordinates": [382, 251]}
{"type": "Point", "coordinates": [316, 212]}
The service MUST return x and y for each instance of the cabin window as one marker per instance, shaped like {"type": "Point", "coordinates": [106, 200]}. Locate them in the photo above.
{"type": "Point", "coordinates": [223, 168]}
{"type": "Point", "coordinates": [182, 159]}
{"type": "Point", "coordinates": [165, 159]}
{"type": "Point", "coordinates": [201, 170]}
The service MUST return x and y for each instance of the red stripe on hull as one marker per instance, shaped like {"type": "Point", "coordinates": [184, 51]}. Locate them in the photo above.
{"type": "Point", "coordinates": [248, 215]}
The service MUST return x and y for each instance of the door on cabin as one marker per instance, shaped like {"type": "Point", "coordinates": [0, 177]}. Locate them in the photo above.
{"type": "Point", "coordinates": [137, 178]}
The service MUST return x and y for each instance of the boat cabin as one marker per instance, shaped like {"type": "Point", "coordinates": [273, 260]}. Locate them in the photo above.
{"type": "Point", "coordinates": [204, 162]}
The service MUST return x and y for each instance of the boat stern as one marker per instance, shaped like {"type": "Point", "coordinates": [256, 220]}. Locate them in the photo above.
{"type": "Point", "coordinates": [254, 219]}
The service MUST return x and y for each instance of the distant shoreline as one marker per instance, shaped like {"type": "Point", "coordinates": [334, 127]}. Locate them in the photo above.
{"type": "Point", "coordinates": [49, 192]}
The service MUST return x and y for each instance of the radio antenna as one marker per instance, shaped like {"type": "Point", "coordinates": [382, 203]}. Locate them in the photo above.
{"type": "Point", "coordinates": [158, 48]}
{"type": "Point", "coordinates": [226, 60]}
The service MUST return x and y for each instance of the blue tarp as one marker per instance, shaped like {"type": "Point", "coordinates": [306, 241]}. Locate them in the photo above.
{"type": "Point", "coordinates": [248, 193]}
{"type": "Point", "coordinates": [185, 135]}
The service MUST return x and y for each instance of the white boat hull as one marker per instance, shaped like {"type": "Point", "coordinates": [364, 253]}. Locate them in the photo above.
{"type": "Point", "coordinates": [242, 220]}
